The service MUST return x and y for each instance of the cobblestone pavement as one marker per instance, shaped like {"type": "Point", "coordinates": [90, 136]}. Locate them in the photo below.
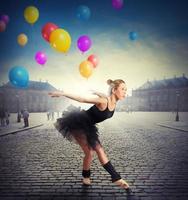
{"type": "Point", "coordinates": [41, 164]}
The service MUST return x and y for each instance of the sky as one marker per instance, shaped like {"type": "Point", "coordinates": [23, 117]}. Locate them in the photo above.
{"type": "Point", "coordinates": [160, 51]}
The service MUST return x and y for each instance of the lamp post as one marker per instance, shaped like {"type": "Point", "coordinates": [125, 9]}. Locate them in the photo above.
{"type": "Point", "coordinates": [1, 100]}
{"type": "Point", "coordinates": [177, 106]}
{"type": "Point", "coordinates": [2, 96]}
{"type": "Point", "coordinates": [18, 109]}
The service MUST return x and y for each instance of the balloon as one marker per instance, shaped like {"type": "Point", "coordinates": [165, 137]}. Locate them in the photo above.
{"type": "Point", "coordinates": [22, 39]}
{"type": "Point", "coordinates": [60, 40]}
{"type": "Point", "coordinates": [83, 12]}
{"type": "Point", "coordinates": [93, 59]}
{"type": "Point", "coordinates": [5, 18]}
{"type": "Point", "coordinates": [86, 69]}
{"type": "Point", "coordinates": [133, 35]}
{"type": "Point", "coordinates": [40, 57]}
{"type": "Point", "coordinates": [2, 26]}
{"type": "Point", "coordinates": [117, 4]}
{"type": "Point", "coordinates": [84, 43]}
{"type": "Point", "coordinates": [19, 77]}
{"type": "Point", "coordinates": [31, 14]}
{"type": "Point", "coordinates": [47, 30]}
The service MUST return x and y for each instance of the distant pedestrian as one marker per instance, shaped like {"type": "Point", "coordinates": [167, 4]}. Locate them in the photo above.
{"type": "Point", "coordinates": [57, 114]}
{"type": "Point", "coordinates": [52, 114]}
{"type": "Point", "coordinates": [7, 115]}
{"type": "Point", "coordinates": [26, 118]}
{"type": "Point", "coordinates": [48, 115]}
{"type": "Point", "coordinates": [2, 117]}
{"type": "Point", "coordinates": [19, 116]}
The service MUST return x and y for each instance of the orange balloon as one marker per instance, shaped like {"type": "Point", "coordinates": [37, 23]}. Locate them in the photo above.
{"type": "Point", "coordinates": [22, 39]}
{"type": "Point", "coordinates": [86, 69]}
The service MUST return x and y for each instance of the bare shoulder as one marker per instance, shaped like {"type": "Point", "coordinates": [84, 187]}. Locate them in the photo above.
{"type": "Point", "coordinates": [96, 101]}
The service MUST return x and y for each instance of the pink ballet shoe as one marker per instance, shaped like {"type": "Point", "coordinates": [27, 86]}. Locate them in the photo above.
{"type": "Point", "coordinates": [123, 184]}
{"type": "Point", "coordinates": [86, 181]}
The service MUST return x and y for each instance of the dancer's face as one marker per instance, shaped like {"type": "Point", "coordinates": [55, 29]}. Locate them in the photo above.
{"type": "Point", "coordinates": [120, 92]}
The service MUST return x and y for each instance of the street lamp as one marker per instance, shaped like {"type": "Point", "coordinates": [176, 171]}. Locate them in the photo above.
{"type": "Point", "coordinates": [18, 109]}
{"type": "Point", "coordinates": [177, 106]}
{"type": "Point", "coordinates": [2, 101]}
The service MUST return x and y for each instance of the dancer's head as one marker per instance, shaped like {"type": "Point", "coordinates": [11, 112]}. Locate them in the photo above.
{"type": "Point", "coordinates": [118, 88]}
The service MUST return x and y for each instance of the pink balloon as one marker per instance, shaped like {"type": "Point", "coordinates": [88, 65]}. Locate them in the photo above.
{"type": "Point", "coordinates": [2, 26]}
{"type": "Point", "coordinates": [117, 4]}
{"type": "Point", "coordinates": [84, 43]}
{"type": "Point", "coordinates": [93, 59]}
{"type": "Point", "coordinates": [40, 57]}
{"type": "Point", "coordinates": [5, 18]}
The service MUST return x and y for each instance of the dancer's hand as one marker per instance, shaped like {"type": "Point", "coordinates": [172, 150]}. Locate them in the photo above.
{"type": "Point", "coordinates": [55, 94]}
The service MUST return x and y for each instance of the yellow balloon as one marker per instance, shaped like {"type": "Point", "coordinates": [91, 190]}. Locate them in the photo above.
{"type": "Point", "coordinates": [22, 39]}
{"type": "Point", "coordinates": [60, 40]}
{"type": "Point", "coordinates": [31, 14]}
{"type": "Point", "coordinates": [86, 69]}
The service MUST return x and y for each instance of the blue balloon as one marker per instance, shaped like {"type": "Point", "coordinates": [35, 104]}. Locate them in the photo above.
{"type": "Point", "coordinates": [133, 35]}
{"type": "Point", "coordinates": [83, 13]}
{"type": "Point", "coordinates": [19, 77]}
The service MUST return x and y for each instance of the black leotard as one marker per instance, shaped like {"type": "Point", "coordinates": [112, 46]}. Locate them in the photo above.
{"type": "Point", "coordinates": [97, 115]}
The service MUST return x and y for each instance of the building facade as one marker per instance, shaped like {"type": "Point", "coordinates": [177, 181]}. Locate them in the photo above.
{"type": "Point", "coordinates": [158, 95]}
{"type": "Point", "coordinates": [34, 98]}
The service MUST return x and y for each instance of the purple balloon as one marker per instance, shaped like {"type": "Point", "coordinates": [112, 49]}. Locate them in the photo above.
{"type": "Point", "coordinates": [117, 4]}
{"type": "Point", "coordinates": [84, 43]}
{"type": "Point", "coordinates": [5, 18]}
{"type": "Point", "coordinates": [40, 57]}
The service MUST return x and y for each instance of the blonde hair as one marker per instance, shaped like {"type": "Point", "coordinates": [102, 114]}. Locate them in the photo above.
{"type": "Point", "coordinates": [114, 84]}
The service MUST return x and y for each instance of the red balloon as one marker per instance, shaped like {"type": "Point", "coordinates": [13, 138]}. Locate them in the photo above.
{"type": "Point", "coordinates": [47, 29]}
{"type": "Point", "coordinates": [2, 26]}
{"type": "Point", "coordinates": [93, 59]}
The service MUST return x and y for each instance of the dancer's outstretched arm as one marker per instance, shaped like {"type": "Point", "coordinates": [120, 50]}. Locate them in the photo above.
{"type": "Point", "coordinates": [98, 100]}
{"type": "Point", "coordinates": [99, 94]}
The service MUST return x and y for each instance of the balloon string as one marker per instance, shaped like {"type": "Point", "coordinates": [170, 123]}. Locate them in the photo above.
{"type": "Point", "coordinates": [32, 36]}
{"type": "Point", "coordinates": [34, 43]}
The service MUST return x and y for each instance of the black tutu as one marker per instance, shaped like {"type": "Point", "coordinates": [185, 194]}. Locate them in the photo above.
{"type": "Point", "coordinates": [77, 123]}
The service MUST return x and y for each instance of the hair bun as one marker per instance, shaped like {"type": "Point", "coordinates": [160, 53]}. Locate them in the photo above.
{"type": "Point", "coordinates": [109, 82]}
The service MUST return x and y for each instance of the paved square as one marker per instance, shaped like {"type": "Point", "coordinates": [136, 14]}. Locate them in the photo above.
{"type": "Point", "coordinates": [41, 164]}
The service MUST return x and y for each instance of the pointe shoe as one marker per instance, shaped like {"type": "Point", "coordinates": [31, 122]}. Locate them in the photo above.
{"type": "Point", "coordinates": [86, 181]}
{"type": "Point", "coordinates": [123, 184]}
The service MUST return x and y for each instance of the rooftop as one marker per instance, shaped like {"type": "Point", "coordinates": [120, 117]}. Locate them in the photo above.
{"type": "Point", "coordinates": [176, 82]}
{"type": "Point", "coordinates": [32, 85]}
